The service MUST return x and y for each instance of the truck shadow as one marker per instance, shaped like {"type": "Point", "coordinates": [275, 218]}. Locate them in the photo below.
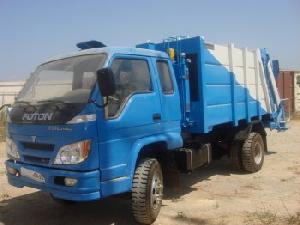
{"type": "Point", "coordinates": [182, 184]}
{"type": "Point", "coordinates": [38, 208]}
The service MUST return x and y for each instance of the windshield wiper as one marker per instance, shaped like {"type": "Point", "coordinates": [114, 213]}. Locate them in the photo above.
{"type": "Point", "coordinates": [5, 105]}
{"type": "Point", "coordinates": [26, 102]}
{"type": "Point", "coordinates": [52, 101]}
{"type": "Point", "coordinates": [23, 102]}
{"type": "Point", "coordinates": [55, 102]}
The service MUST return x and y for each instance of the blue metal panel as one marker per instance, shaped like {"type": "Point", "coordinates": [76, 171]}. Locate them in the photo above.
{"type": "Point", "coordinates": [173, 140]}
{"type": "Point", "coordinates": [221, 98]}
{"type": "Point", "coordinates": [188, 46]}
{"type": "Point", "coordinates": [86, 189]}
{"type": "Point", "coordinates": [218, 114]}
{"type": "Point", "coordinates": [217, 75]}
{"type": "Point", "coordinates": [58, 135]}
{"type": "Point", "coordinates": [241, 94]}
{"type": "Point", "coordinates": [240, 111]}
{"type": "Point", "coordinates": [232, 105]}
{"type": "Point", "coordinates": [233, 98]}
{"type": "Point", "coordinates": [134, 128]}
{"type": "Point", "coordinates": [218, 94]}
{"type": "Point", "coordinates": [116, 186]}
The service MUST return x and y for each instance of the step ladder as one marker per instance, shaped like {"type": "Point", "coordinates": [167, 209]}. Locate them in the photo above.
{"type": "Point", "coordinates": [279, 116]}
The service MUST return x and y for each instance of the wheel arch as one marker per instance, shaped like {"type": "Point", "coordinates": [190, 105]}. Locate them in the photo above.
{"type": "Point", "coordinates": [152, 146]}
{"type": "Point", "coordinates": [255, 126]}
{"type": "Point", "coordinates": [258, 127]}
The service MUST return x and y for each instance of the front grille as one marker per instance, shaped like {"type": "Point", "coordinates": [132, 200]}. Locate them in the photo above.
{"type": "Point", "coordinates": [33, 159]}
{"type": "Point", "coordinates": [37, 146]}
{"type": "Point", "coordinates": [37, 153]}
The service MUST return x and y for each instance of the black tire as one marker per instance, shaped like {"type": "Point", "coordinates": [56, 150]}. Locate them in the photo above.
{"type": "Point", "coordinates": [147, 190]}
{"type": "Point", "coordinates": [62, 201]}
{"type": "Point", "coordinates": [252, 154]}
{"type": "Point", "coordinates": [235, 155]}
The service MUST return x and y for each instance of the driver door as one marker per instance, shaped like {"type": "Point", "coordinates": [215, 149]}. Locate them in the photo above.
{"type": "Point", "coordinates": [133, 112]}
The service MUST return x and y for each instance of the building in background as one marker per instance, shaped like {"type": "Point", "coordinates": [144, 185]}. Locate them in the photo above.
{"type": "Point", "coordinates": [9, 90]}
{"type": "Point", "coordinates": [288, 84]}
{"type": "Point", "coordinates": [297, 91]}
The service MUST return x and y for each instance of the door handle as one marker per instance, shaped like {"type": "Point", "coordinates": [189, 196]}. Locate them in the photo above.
{"type": "Point", "coordinates": [156, 117]}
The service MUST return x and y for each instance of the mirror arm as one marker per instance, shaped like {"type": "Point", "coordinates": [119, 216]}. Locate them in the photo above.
{"type": "Point", "coordinates": [5, 105]}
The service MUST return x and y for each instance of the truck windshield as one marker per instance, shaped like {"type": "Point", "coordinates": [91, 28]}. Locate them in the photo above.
{"type": "Point", "coordinates": [68, 80]}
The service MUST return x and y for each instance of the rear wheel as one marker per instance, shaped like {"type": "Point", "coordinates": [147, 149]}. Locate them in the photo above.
{"type": "Point", "coordinates": [252, 154]}
{"type": "Point", "coordinates": [147, 191]}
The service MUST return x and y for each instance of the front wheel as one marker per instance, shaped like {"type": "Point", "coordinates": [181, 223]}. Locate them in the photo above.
{"type": "Point", "coordinates": [147, 191]}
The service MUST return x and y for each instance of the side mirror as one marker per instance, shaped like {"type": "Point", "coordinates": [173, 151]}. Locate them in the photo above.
{"type": "Point", "coordinates": [106, 82]}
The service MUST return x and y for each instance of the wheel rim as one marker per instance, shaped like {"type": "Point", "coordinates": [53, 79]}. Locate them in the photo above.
{"type": "Point", "coordinates": [258, 153]}
{"type": "Point", "coordinates": [156, 191]}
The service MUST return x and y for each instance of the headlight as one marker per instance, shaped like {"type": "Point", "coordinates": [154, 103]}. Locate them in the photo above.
{"type": "Point", "coordinates": [11, 149]}
{"type": "Point", "coordinates": [74, 153]}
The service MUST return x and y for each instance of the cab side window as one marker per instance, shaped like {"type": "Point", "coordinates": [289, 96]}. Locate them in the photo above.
{"type": "Point", "coordinates": [132, 76]}
{"type": "Point", "coordinates": [165, 77]}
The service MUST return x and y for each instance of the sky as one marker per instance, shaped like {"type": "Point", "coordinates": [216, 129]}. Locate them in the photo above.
{"type": "Point", "coordinates": [32, 31]}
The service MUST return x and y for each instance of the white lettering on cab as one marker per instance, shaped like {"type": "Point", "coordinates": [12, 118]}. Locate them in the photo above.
{"type": "Point", "coordinates": [37, 116]}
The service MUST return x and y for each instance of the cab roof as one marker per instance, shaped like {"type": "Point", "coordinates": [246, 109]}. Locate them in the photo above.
{"type": "Point", "coordinates": [113, 50]}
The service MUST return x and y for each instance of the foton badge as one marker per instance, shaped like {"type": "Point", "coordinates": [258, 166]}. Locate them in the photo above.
{"type": "Point", "coordinates": [37, 116]}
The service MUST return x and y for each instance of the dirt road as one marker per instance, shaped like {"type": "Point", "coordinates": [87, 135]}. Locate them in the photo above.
{"type": "Point", "coordinates": [212, 195]}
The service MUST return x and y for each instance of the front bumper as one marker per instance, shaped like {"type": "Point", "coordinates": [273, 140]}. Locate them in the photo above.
{"type": "Point", "coordinates": [86, 189]}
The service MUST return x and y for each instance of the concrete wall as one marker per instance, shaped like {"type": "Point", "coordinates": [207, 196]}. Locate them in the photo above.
{"type": "Point", "coordinates": [9, 90]}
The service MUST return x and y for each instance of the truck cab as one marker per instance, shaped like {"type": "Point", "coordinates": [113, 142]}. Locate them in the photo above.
{"type": "Point", "coordinates": [66, 138]}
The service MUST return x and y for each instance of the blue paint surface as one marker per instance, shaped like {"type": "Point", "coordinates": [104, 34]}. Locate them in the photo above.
{"type": "Point", "coordinates": [221, 98]}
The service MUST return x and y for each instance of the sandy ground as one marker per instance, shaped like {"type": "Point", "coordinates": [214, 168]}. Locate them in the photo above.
{"type": "Point", "coordinates": [211, 195]}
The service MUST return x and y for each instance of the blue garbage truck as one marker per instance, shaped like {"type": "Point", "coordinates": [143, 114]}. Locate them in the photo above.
{"type": "Point", "coordinates": [105, 121]}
